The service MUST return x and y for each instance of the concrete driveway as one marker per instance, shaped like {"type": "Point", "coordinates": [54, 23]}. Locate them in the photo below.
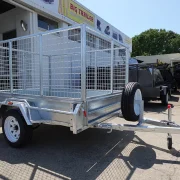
{"type": "Point", "coordinates": [57, 154]}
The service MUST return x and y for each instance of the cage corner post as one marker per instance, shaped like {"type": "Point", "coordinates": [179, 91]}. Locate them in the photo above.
{"type": "Point", "coordinates": [11, 66]}
{"type": "Point", "coordinates": [41, 64]}
{"type": "Point", "coordinates": [83, 63]}
{"type": "Point", "coordinates": [127, 66]}
{"type": "Point", "coordinates": [112, 64]}
{"type": "Point", "coordinates": [83, 69]}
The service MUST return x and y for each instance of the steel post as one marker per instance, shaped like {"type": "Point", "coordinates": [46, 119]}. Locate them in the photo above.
{"type": "Point", "coordinates": [95, 82]}
{"type": "Point", "coordinates": [112, 64]}
{"type": "Point", "coordinates": [127, 66]}
{"type": "Point", "coordinates": [83, 63]}
{"type": "Point", "coordinates": [50, 75]}
{"type": "Point", "coordinates": [169, 118]}
{"type": "Point", "coordinates": [10, 67]}
{"type": "Point", "coordinates": [41, 64]}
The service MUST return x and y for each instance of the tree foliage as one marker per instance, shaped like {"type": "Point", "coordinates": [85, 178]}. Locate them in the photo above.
{"type": "Point", "coordinates": [155, 42]}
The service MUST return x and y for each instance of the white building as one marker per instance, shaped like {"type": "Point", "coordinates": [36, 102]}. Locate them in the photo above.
{"type": "Point", "coordinates": [24, 17]}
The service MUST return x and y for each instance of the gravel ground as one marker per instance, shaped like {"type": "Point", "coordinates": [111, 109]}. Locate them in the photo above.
{"type": "Point", "coordinates": [57, 154]}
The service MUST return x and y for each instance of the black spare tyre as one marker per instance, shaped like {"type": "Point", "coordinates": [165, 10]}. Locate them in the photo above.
{"type": "Point", "coordinates": [130, 105]}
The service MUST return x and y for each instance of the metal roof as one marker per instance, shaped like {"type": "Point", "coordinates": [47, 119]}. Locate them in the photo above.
{"type": "Point", "coordinates": [165, 58]}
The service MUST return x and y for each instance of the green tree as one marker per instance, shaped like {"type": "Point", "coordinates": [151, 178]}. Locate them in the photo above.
{"type": "Point", "coordinates": [156, 41]}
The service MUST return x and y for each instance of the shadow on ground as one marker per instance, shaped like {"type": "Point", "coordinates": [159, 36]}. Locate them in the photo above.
{"type": "Point", "coordinates": [174, 98]}
{"type": "Point", "coordinates": [56, 151]}
{"type": "Point", "coordinates": [176, 93]}
{"type": "Point", "coordinates": [154, 106]}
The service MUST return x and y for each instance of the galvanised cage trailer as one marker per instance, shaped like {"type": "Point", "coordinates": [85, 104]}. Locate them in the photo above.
{"type": "Point", "coordinates": [74, 77]}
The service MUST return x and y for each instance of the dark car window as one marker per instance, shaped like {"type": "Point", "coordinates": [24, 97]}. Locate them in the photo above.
{"type": "Point", "coordinates": [167, 75]}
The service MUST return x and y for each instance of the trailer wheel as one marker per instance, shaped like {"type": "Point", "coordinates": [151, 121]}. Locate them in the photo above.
{"type": "Point", "coordinates": [16, 132]}
{"type": "Point", "coordinates": [165, 99]}
{"type": "Point", "coordinates": [129, 103]}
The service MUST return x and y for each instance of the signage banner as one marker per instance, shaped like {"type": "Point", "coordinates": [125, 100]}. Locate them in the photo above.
{"type": "Point", "coordinates": [51, 5]}
{"type": "Point", "coordinates": [106, 28]}
{"type": "Point", "coordinates": [77, 13]}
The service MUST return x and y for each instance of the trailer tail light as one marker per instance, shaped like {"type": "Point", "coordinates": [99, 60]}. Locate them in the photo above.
{"type": "Point", "coordinates": [170, 106]}
{"type": "Point", "coordinates": [85, 114]}
{"type": "Point", "coordinates": [10, 103]}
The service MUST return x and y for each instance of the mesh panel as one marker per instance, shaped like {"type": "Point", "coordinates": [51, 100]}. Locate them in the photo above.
{"type": "Point", "coordinates": [59, 57]}
{"type": "Point", "coordinates": [4, 67]}
{"type": "Point", "coordinates": [119, 69]}
{"type": "Point", "coordinates": [102, 63]}
{"type": "Point", "coordinates": [62, 64]}
{"type": "Point", "coordinates": [25, 66]}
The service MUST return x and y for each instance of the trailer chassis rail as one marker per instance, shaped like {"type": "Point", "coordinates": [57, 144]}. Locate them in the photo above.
{"type": "Point", "coordinates": [147, 125]}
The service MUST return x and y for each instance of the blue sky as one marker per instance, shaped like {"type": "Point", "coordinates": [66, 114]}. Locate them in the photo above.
{"type": "Point", "coordinates": [135, 16]}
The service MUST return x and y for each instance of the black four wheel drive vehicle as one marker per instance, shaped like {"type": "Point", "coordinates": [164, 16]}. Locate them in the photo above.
{"type": "Point", "coordinates": [153, 85]}
{"type": "Point", "coordinates": [177, 73]}
{"type": "Point", "coordinates": [169, 79]}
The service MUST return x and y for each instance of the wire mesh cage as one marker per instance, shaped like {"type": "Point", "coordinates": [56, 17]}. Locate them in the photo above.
{"type": "Point", "coordinates": [62, 63]}
{"type": "Point", "coordinates": [105, 65]}
{"type": "Point", "coordinates": [4, 67]}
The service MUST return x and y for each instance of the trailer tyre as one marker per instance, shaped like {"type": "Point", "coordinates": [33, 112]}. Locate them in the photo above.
{"type": "Point", "coordinates": [16, 132]}
{"type": "Point", "coordinates": [129, 103]}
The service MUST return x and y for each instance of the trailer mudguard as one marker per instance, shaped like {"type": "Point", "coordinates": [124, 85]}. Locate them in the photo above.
{"type": "Point", "coordinates": [20, 106]}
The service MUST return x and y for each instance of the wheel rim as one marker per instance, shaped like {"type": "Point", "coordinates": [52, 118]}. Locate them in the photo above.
{"type": "Point", "coordinates": [12, 129]}
{"type": "Point", "coordinates": [137, 97]}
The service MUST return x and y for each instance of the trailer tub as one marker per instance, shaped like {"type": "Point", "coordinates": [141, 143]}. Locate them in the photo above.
{"type": "Point", "coordinates": [72, 77]}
